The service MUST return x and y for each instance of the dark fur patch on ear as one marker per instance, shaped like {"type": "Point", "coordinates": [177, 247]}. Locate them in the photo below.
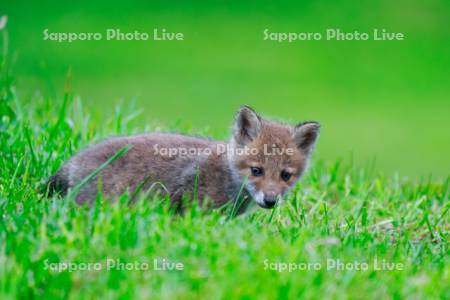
{"type": "Point", "coordinates": [247, 125]}
{"type": "Point", "coordinates": [305, 135]}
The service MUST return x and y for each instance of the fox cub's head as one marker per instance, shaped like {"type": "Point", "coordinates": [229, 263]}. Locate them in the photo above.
{"type": "Point", "coordinates": [272, 156]}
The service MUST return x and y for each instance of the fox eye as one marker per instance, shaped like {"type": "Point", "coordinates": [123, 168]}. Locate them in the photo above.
{"type": "Point", "coordinates": [285, 175]}
{"type": "Point", "coordinates": [256, 171]}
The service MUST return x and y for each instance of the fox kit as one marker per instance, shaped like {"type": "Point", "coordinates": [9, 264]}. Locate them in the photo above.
{"type": "Point", "coordinates": [262, 161]}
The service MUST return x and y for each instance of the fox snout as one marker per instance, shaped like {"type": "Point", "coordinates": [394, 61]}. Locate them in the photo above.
{"type": "Point", "coordinates": [270, 200]}
{"type": "Point", "coordinates": [267, 199]}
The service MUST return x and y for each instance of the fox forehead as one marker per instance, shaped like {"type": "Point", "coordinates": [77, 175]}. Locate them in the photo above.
{"type": "Point", "coordinates": [276, 134]}
{"type": "Point", "coordinates": [275, 149]}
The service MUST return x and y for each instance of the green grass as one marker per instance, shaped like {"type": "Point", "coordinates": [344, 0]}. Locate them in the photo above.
{"type": "Point", "coordinates": [382, 100]}
{"type": "Point", "coordinates": [337, 211]}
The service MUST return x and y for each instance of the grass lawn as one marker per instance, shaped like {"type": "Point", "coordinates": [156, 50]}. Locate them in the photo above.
{"type": "Point", "coordinates": [369, 220]}
{"type": "Point", "coordinates": [337, 229]}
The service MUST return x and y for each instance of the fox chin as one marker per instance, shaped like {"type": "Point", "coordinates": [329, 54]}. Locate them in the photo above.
{"type": "Point", "coordinates": [261, 162]}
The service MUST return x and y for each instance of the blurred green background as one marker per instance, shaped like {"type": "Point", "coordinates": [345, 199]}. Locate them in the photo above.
{"type": "Point", "coordinates": [385, 101]}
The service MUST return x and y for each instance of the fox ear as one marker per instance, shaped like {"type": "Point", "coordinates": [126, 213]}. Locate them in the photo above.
{"type": "Point", "coordinates": [305, 135]}
{"type": "Point", "coordinates": [247, 125]}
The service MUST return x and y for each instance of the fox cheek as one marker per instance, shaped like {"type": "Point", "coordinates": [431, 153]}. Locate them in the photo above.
{"type": "Point", "coordinates": [255, 181]}
{"type": "Point", "coordinates": [291, 183]}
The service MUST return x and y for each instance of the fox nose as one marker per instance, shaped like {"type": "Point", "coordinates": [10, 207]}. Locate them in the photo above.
{"type": "Point", "coordinates": [270, 201]}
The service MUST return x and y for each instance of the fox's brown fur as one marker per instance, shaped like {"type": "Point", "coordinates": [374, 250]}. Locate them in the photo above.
{"type": "Point", "coordinates": [220, 176]}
